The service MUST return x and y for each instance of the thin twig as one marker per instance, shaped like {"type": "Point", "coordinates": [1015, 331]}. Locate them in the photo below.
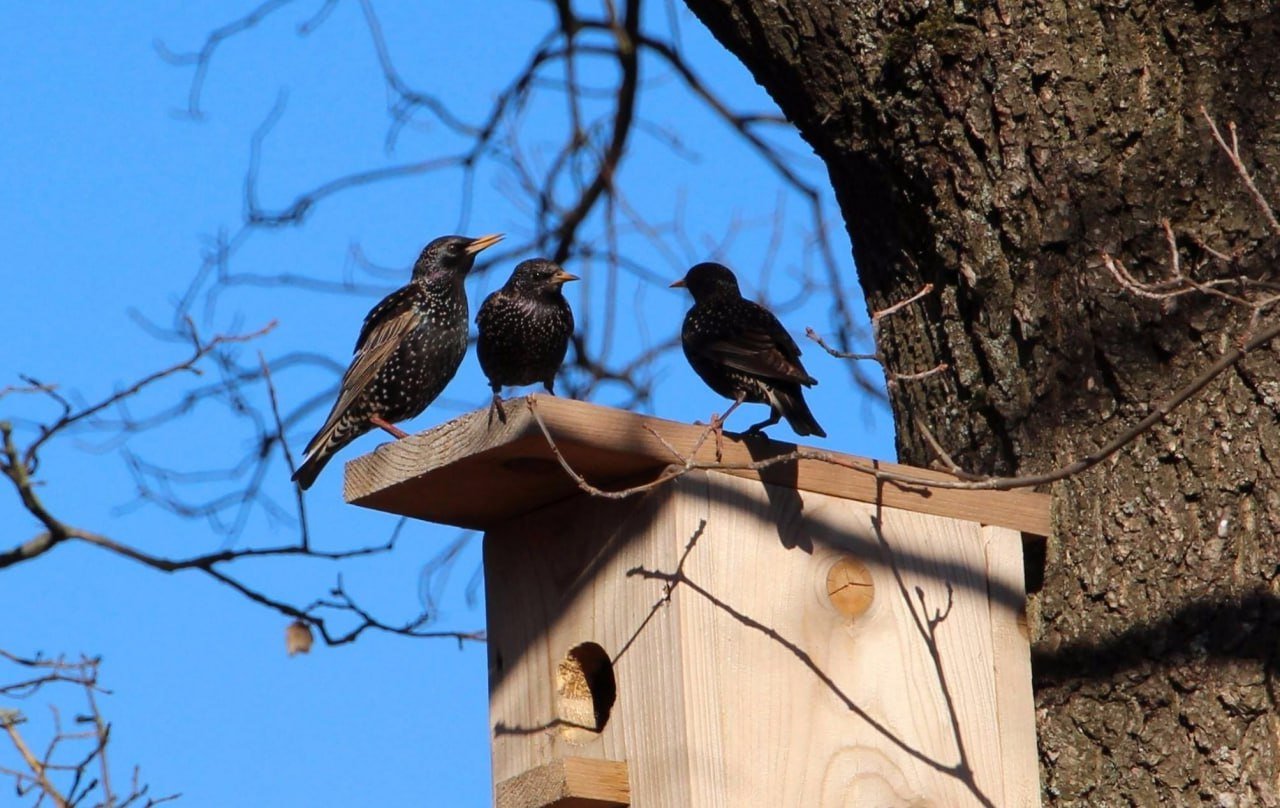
{"type": "Point", "coordinates": [1233, 154]}
{"type": "Point", "coordinates": [199, 351]}
{"type": "Point", "coordinates": [299, 499]}
{"type": "Point", "coordinates": [969, 482]}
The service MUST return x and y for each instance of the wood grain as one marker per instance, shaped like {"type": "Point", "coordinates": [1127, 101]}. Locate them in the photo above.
{"type": "Point", "coordinates": [738, 681]}
{"type": "Point", "coordinates": [450, 474]}
{"type": "Point", "coordinates": [1015, 701]}
{"type": "Point", "coordinates": [567, 783]}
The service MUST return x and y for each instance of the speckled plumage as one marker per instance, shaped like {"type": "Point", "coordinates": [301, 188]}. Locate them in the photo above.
{"type": "Point", "coordinates": [741, 350]}
{"type": "Point", "coordinates": [409, 348]}
{"type": "Point", "coordinates": [524, 328]}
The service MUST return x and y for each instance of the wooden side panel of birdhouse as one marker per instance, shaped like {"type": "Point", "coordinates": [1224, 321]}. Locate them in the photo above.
{"type": "Point", "coordinates": [739, 681]}
{"type": "Point", "coordinates": [1011, 644]}
{"type": "Point", "coordinates": [557, 579]}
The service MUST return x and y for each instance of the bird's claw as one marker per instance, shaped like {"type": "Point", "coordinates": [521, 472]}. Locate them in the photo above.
{"type": "Point", "coordinates": [496, 406]}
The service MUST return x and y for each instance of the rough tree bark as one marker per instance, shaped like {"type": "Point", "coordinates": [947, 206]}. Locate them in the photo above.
{"type": "Point", "coordinates": [997, 150]}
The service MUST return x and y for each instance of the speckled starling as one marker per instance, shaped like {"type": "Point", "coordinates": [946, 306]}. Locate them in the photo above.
{"type": "Point", "coordinates": [409, 348]}
{"type": "Point", "coordinates": [741, 350]}
{"type": "Point", "coordinates": [524, 328]}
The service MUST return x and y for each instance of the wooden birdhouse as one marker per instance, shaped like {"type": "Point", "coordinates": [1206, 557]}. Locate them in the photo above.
{"type": "Point", "coordinates": [780, 630]}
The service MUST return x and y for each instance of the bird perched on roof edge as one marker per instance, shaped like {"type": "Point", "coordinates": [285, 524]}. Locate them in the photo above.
{"type": "Point", "coordinates": [524, 329]}
{"type": "Point", "coordinates": [409, 347]}
{"type": "Point", "coordinates": [742, 352]}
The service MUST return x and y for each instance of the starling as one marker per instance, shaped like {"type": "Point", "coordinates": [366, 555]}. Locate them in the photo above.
{"type": "Point", "coordinates": [741, 350]}
{"type": "Point", "coordinates": [524, 328]}
{"type": "Point", "coordinates": [409, 348]}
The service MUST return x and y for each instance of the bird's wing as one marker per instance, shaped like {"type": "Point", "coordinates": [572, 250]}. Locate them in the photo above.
{"type": "Point", "coordinates": [760, 346]}
{"type": "Point", "coordinates": [396, 303]}
{"type": "Point", "coordinates": [757, 354]}
{"type": "Point", "coordinates": [379, 344]}
{"type": "Point", "coordinates": [384, 328]}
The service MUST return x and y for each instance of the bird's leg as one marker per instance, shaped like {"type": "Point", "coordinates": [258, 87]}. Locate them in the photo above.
{"type": "Point", "coordinates": [395, 431]}
{"type": "Point", "coordinates": [757, 429]}
{"type": "Point", "coordinates": [496, 406]}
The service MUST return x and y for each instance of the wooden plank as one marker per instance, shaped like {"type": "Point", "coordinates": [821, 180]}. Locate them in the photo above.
{"type": "Point", "coordinates": [741, 683]}
{"type": "Point", "coordinates": [571, 782]}
{"type": "Point", "coordinates": [818, 710]}
{"type": "Point", "coordinates": [558, 578]}
{"type": "Point", "coordinates": [1015, 701]}
{"type": "Point", "coordinates": [450, 474]}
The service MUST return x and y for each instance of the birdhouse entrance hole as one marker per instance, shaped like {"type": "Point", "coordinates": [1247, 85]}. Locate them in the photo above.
{"type": "Point", "coordinates": [586, 691]}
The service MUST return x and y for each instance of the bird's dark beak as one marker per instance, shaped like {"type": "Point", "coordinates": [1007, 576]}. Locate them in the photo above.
{"type": "Point", "coordinates": [564, 277]}
{"type": "Point", "coordinates": [677, 285]}
{"type": "Point", "coordinates": [484, 242]}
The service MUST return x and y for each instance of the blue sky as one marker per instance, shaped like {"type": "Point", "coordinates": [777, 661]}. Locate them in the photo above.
{"type": "Point", "coordinates": [110, 198]}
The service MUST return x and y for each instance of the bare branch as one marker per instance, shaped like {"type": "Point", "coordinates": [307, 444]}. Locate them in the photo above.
{"type": "Point", "coordinates": [63, 773]}
{"type": "Point", "coordinates": [967, 482]}
{"type": "Point", "coordinates": [304, 530]}
{"type": "Point", "coordinates": [892, 377]}
{"type": "Point", "coordinates": [201, 59]}
{"type": "Point", "coordinates": [199, 351]}
{"type": "Point", "coordinates": [18, 464]}
{"type": "Point", "coordinates": [1233, 154]}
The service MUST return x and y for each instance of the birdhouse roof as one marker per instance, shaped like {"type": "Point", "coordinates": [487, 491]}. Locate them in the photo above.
{"type": "Point", "coordinates": [474, 473]}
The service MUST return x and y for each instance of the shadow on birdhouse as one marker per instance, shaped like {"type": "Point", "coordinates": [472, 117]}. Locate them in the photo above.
{"type": "Point", "coordinates": [656, 640]}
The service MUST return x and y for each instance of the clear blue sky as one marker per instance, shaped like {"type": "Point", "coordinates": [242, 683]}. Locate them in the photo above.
{"type": "Point", "coordinates": [109, 199]}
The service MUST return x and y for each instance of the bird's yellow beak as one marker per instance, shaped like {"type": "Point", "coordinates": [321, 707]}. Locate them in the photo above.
{"type": "Point", "coordinates": [677, 285]}
{"type": "Point", "coordinates": [483, 242]}
{"type": "Point", "coordinates": [564, 277]}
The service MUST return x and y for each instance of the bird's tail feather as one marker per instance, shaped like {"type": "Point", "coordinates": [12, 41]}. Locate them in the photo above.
{"type": "Point", "coordinates": [310, 469]}
{"type": "Point", "coordinates": [332, 437]}
{"type": "Point", "coordinates": [792, 404]}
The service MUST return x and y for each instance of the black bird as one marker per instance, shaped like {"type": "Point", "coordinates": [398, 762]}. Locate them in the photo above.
{"type": "Point", "coordinates": [742, 352]}
{"type": "Point", "coordinates": [409, 348]}
{"type": "Point", "coordinates": [524, 328]}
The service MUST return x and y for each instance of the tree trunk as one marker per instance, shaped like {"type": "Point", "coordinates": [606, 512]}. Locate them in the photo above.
{"type": "Point", "coordinates": [998, 153]}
